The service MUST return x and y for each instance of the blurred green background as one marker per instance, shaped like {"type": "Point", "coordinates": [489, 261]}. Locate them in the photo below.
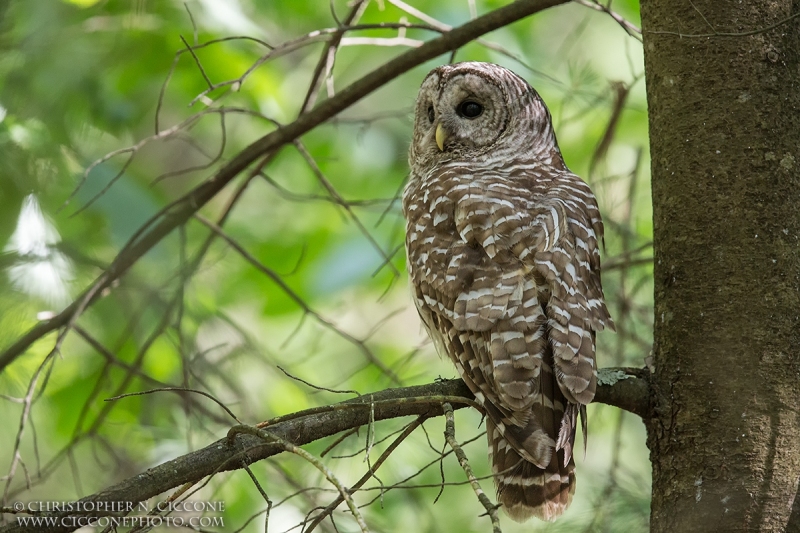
{"type": "Point", "coordinates": [83, 79]}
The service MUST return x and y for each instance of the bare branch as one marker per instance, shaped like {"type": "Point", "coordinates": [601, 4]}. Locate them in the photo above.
{"type": "Point", "coordinates": [337, 198]}
{"type": "Point", "coordinates": [326, 60]}
{"type": "Point", "coordinates": [626, 388]}
{"type": "Point", "coordinates": [178, 390]}
{"type": "Point", "coordinates": [622, 387]}
{"type": "Point", "coordinates": [409, 429]}
{"type": "Point", "coordinates": [629, 28]}
{"type": "Point", "coordinates": [292, 448]}
{"type": "Point", "coordinates": [450, 435]}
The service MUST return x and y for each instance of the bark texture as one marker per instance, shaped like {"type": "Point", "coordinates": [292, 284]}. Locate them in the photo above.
{"type": "Point", "coordinates": [724, 107]}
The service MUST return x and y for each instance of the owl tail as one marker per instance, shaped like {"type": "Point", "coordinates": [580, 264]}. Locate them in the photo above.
{"type": "Point", "coordinates": [524, 489]}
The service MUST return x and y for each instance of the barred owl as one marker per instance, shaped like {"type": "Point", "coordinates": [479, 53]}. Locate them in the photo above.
{"type": "Point", "coordinates": [502, 243]}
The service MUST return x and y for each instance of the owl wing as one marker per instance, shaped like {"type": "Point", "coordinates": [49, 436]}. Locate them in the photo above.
{"type": "Point", "coordinates": [538, 248]}
{"type": "Point", "coordinates": [522, 272]}
{"type": "Point", "coordinates": [463, 297]}
{"type": "Point", "coordinates": [569, 262]}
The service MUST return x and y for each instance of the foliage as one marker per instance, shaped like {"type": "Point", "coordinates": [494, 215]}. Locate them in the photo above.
{"type": "Point", "coordinates": [82, 79]}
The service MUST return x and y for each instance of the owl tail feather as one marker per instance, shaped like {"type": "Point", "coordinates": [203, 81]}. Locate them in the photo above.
{"type": "Point", "coordinates": [526, 490]}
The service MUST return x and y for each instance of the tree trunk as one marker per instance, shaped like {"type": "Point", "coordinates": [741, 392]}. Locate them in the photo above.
{"type": "Point", "coordinates": [724, 107]}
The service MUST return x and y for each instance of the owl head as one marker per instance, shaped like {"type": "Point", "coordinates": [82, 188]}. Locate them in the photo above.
{"type": "Point", "coordinates": [479, 112]}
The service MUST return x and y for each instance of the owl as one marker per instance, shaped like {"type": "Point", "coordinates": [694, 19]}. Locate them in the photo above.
{"type": "Point", "coordinates": [502, 244]}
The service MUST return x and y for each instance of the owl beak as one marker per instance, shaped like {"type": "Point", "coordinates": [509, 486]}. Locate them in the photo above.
{"type": "Point", "coordinates": [441, 137]}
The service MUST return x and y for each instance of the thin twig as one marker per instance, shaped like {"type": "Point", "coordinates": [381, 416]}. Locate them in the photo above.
{"type": "Point", "coordinates": [318, 387]}
{"type": "Point", "coordinates": [325, 35]}
{"type": "Point", "coordinates": [311, 162]}
{"type": "Point", "coordinates": [371, 357]}
{"type": "Point", "coordinates": [31, 396]}
{"type": "Point", "coordinates": [450, 435]}
{"type": "Point", "coordinates": [621, 91]}
{"type": "Point", "coordinates": [156, 510]}
{"type": "Point", "coordinates": [197, 62]}
{"type": "Point", "coordinates": [175, 389]}
{"type": "Point", "coordinates": [629, 28]}
{"type": "Point", "coordinates": [263, 495]}
{"type": "Point", "coordinates": [409, 429]}
{"type": "Point", "coordinates": [328, 57]}
{"type": "Point", "coordinates": [341, 438]}
{"type": "Point", "coordinates": [291, 448]}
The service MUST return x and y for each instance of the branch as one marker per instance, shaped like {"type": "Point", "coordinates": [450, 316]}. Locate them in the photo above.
{"type": "Point", "coordinates": [625, 388]}
{"type": "Point", "coordinates": [185, 207]}
{"type": "Point", "coordinates": [450, 436]}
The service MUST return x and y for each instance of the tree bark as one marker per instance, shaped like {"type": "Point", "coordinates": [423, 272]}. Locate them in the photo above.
{"type": "Point", "coordinates": [723, 88]}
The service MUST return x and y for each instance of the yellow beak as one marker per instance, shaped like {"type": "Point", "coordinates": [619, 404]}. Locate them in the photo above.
{"type": "Point", "coordinates": [441, 137]}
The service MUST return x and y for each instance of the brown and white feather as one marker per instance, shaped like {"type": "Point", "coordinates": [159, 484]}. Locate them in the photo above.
{"type": "Point", "coordinates": [503, 254]}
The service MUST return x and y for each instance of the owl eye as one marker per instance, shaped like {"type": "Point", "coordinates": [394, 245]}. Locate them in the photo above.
{"type": "Point", "coordinates": [469, 109]}
{"type": "Point", "coordinates": [431, 114]}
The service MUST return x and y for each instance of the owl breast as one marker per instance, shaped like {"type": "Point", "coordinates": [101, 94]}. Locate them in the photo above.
{"type": "Point", "coordinates": [440, 259]}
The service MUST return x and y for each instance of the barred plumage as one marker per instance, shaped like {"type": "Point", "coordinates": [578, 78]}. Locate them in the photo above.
{"type": "Point", "coordinates": [502, 243]}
